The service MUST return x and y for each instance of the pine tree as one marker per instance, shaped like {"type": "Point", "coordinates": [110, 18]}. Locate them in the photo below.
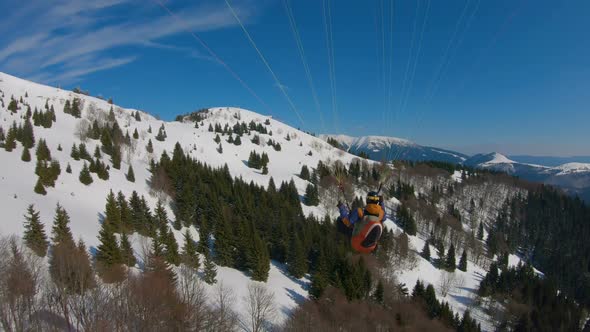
{"type": "Point", "coordinates": [34, 235]}
{"type": "Point", "coordinates": [190, 257]}
{"type": "Point", "coordinates": [296, 260]}
{"type": "Point", "coordinates": [112, 212]}
{"type": "Point", "coordinates": [238, 140]}
{"type": "Point", "coordinates": [85, 176]}
{"type": "Point", "coordinates": [210, 270]}
{"type": "Point", "coordinates": [220, 148]}
{"type": "Point", "coordinates": [76, 112]}
{"type": "Point", "coordinates": [172, 255]}
{"type": "Point", "coordinates": [217, 139]}
{"type": "Point", "coordinates": [150, 147]}
{"type": "Point", "coordinates": [116, 157]}
{"type": "Point", "coordinates": [127, 256]}
{"type": "Point", "coordinates": [264, 170]}
{"type": "Point", "coordinates": [463, 261]}
{"type": "Point", "coordinates": [10, 141]}
{"type": "Point", "coordinates": [450, 262]}
{"type": "Point", "coordinates": [262, 261]}
{"type": "Point", "coordinates": [61, 233]}
{"type": "Point", "coordinates": [319, 278]}
{"type": "Point", "coordinates": [43, 152]}
{"type": "Point", "coordinates": [28, 137]}
{"type": "Point", "coordinates": [75, 153]}
{"type": "Point", "coordinates": [12, 106]}
{"type": "Point", "coordinates": [304, 174]}
{"type": "Point", "coordinates": [161, 134]}
{"type": "Point", "coordinates": [107, 141]}
{"type": "Point", "coordinates": [480, 231]}
{"type": "Point", "coordinates": [160, 215]}
{"type": "Point", "coordinates": [97, 154]}
{"type": "Point", "coordinates": [67, 107]}
{"type": "Point", "coordinates": [137, 116]}
{"type": "Point", "coordinates": [69, 169]}
{"type": "Point", "coordinates": [426, 251]}
{"type": "Point", "coordinates": [26, 155]}
{"type": "Point", "coordinates": [311, 197]}
{"type": "Point", "coordinates": [83, 152]}
{"type": "Point", "coordinates": [130, 174]}
{"type": "Point", "coordinates": [108, 252]}
{"type": "Point", "coordinates": [39, 188]}
{"type": "Point", "coordinates": [135, 134]}
{"type": "Point", "coordinates": [264, 159]}
{"type": "Point", "coordinates": [112, 117]}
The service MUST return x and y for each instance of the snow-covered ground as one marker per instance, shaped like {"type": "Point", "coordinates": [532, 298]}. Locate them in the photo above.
{"type": "Point", "coordinates": [85, 204]}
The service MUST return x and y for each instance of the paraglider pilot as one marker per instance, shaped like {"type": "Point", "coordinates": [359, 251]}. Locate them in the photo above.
{"type": "Point", "coordinates": [363, 226]}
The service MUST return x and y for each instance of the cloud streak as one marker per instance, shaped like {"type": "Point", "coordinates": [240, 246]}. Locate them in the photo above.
{"type": "Point", "coordinates": [72, 38]}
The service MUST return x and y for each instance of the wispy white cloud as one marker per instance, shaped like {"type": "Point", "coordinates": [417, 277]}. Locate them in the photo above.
{"type": "Point", "coordinates": [75, 72]}
{"type": "Point", "coordinates": [68, 39]}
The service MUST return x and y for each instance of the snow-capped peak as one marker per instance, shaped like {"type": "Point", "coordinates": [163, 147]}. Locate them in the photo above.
{"type": "Point", "coordinates": [572, 168]}
{"type": "Point", "coordinates": [498, 158]}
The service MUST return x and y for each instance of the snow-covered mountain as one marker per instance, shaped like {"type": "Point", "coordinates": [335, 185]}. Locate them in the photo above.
{"type": "Point", "coordinates": [86, 204]}
{"type": "Point", "coordinates": [574, 178]}
{"type": "Point", "coordinates": [387, 148]}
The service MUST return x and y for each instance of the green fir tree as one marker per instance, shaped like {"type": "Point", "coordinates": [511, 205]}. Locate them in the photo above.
{"type": "Point", "coordinates": [127, 256]}
{"type": "Point", "coordinates": [61, 233]}
{"type": "Point", "coordinates": [85, 176]}
{"type": "Point", "coordinates": [34, 235]}
{"type": "Point", "coordinates": [210, 270]}
{"type": "Point", "coordinates": [39, 188]}
{"type": "Point", "coordinates": [190, 256]}
{"type": "Point", "coordinates": [463, 261]}
{"type": "Point", "coordinates": [450, 262]}
{"type": "Point", "coordinates": [26, 155]}
{"type": "Point", "coordinates": [130, 174]}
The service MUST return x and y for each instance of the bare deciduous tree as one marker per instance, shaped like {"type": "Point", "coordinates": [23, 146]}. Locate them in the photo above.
{"type": "Point", "coordinates": [446, 282]}
{"type": "Point", "coordinates": [82, 129]}
{"type": "Point", "coordinates": [260, 307]}
{"type": "Point", "coordinates": [19, 285]}
{"type": "Point", "coordinates": [223, 317]}
{"type": "Point", "coordinates": [193, 297]}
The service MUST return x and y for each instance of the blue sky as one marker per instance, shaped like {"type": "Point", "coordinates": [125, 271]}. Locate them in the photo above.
{"type": "Point", "coordinates": [472, 75]}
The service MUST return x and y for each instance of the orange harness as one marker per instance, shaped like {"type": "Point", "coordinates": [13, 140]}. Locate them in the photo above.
{"type": "Point", "coordinates": [369, 222]}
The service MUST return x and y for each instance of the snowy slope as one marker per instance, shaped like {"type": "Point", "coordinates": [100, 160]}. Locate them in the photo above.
{"type": "Point", "coordinates": [385, 147]}
{"type": "Point", "coordinates": [85, 204]}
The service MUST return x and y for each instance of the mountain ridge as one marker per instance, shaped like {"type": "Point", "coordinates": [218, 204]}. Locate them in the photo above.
{"type": "Point", "coordinates": [573, 177]}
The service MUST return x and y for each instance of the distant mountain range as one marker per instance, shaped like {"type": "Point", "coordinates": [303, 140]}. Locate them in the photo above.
{"type": "Point", "coordinates": [572, 174]}
{"type": "Point", "coordinates": [388, 148]}
{"type": "Point", "coordinates": [550, 161]}
{"type": "Point", "coordinates": [573, 177]}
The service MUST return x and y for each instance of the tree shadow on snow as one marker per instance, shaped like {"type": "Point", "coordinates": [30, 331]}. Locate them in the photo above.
{"type": "Point", "coordinates": [465, 300]}
{"type": "Point", "coordinates": [479, 276]}
{"type": "Point", "coordinates": [283, 269]}
{"type": "Point", "coordinates": [298, 298]}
